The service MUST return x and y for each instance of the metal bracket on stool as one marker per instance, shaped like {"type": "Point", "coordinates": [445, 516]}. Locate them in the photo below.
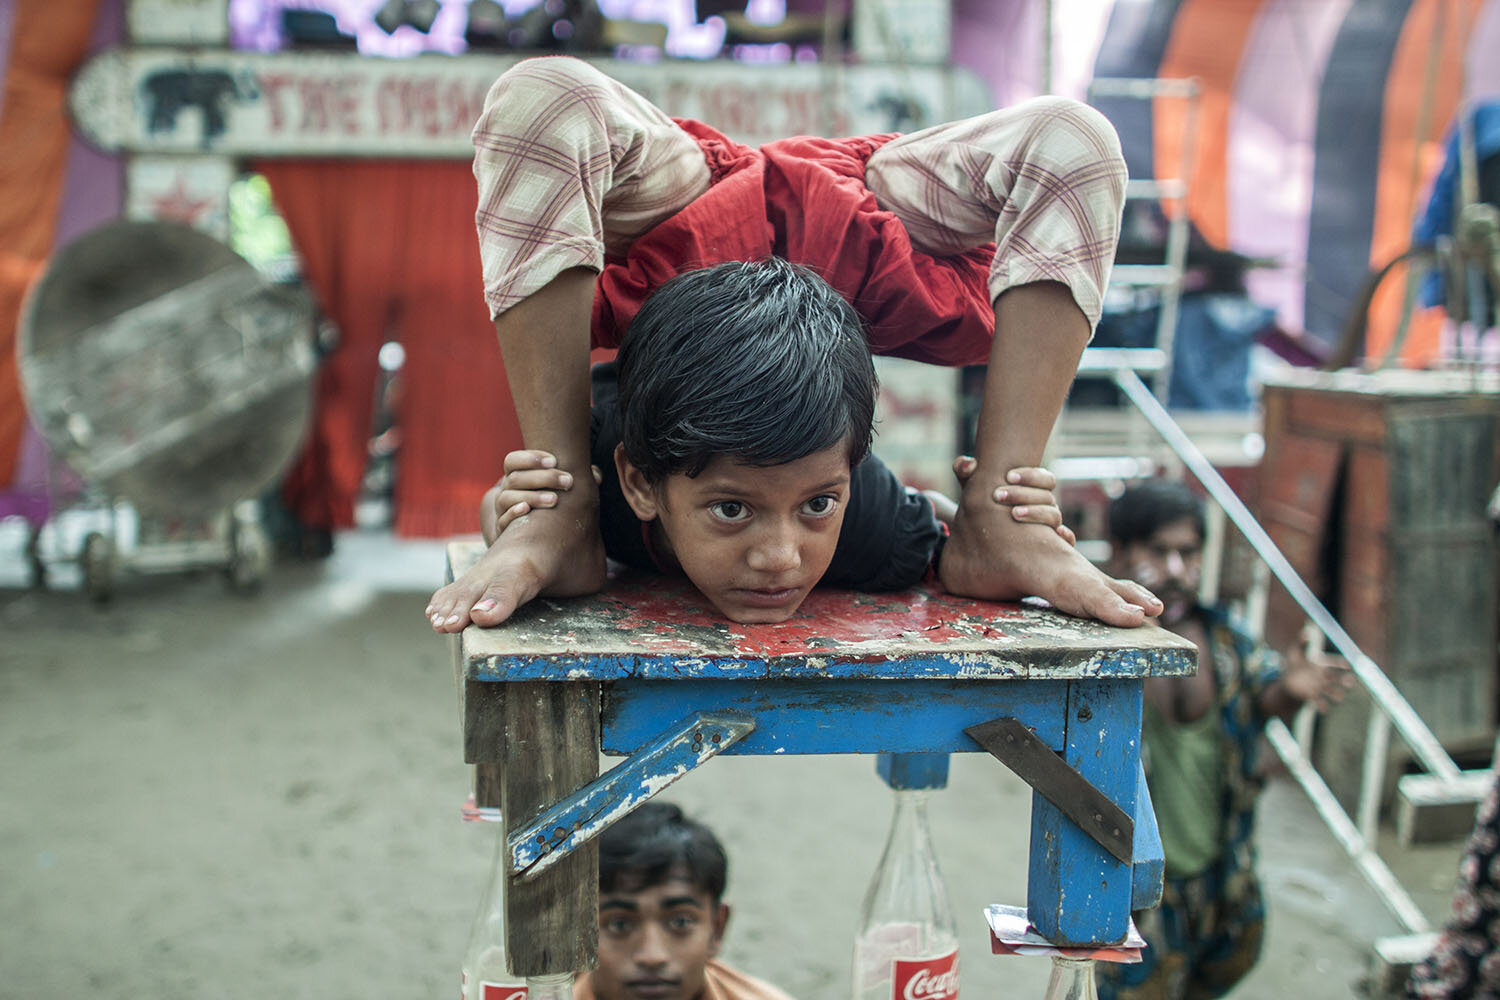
{"type": "Point", "coordinates": [589, 811]}
{"type": "Point", "coordinates": [1044, 769]}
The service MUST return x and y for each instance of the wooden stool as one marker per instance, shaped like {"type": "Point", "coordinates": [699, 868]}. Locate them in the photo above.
{"type": "Point", "coordinates": [649, 671]}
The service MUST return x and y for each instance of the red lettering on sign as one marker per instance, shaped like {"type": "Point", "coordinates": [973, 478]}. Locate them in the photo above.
{"type": "Point", "coordinates": [330, 103]}
{"type": "Point", "coordinates": [733, 109]}
{"type": "Point", "coordinates": [463, 106]}
{"type": "Point", "coordinates": [388, 107]}
{"type": "Point", "coordinates": [271, 85]}
{"type": "Point", "coordinates": [802, 113]}
{"type": "Point", "coordinates": [350, 89]}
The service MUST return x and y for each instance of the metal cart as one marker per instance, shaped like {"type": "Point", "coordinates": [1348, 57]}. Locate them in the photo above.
{"type": "Point", "coordinates": [170, 374]}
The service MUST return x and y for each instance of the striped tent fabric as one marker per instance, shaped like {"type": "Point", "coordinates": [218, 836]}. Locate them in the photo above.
{"type": "Point", "coordinates": [1320, 129]}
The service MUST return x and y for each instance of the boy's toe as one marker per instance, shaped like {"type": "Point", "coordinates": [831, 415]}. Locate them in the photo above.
{"type": "Point", "coordinates": [498, 602]}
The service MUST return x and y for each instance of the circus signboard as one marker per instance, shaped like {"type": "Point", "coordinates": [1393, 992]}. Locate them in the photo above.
{"type": "Point", "coordinates": [296, 104]}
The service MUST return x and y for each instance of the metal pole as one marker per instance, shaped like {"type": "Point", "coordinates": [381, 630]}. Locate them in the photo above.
{"type": "Point", "coordinates": [1047, 42]}
{"type": "Point", "coordinates": [1372, 775]}
{"type": "Point", "coordinates": [1363, 855]}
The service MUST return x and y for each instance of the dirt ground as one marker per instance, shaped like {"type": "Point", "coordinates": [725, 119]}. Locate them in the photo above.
{"type": "Point", "coordinates": [203, 794]}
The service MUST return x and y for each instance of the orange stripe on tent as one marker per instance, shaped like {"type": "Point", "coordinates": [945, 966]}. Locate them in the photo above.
{"type": "Point", "coordinates": [1208, 41]}
{"type": "Point", "coordinates": [1411, 151]}
{"type": "Point", "coordinates": [48, 41]}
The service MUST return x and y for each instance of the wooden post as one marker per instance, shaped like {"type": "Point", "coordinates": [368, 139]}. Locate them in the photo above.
{"type": "Point", "coordinates": [550, 749]}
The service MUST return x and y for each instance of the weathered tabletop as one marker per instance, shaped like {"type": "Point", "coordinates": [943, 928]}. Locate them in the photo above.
{"type": "Point", "coordinates": [648, 670]}
{"type": "Point", "coordinates": [655, 628]}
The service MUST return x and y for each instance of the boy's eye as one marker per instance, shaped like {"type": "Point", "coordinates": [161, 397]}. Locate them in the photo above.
{"type": "Point", "coordinates": [682, 922]}
{"type": "Point", "coordinates": [617, 927]}
{"type": "Point", "coordinates": [729, 510]}
{"type": "Point", "coordinates": [821, 506]}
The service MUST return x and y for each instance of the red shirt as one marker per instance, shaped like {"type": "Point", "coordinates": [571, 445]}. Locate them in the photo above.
{"type": "Point", "coordinates": [805, 199]}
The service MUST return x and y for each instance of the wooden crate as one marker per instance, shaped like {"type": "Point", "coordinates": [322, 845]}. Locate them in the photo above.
{"type": "Point", "coordinates": [1375, 485]}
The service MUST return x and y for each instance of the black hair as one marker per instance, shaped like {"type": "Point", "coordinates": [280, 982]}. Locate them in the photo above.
{"type": "Point", "coordinates": [759, 361]}
{"type": "Point", "coordinates": [656, 842]}
{"type": "Point", "coordinates": [1150, 505]}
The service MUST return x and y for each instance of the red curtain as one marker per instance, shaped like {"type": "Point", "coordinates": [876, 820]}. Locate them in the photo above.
{"type": "Point", "coordinates": [389, 250]}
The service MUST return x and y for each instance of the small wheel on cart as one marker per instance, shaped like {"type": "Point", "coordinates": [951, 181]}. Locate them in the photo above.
{"type": "Point", "coordinates": [98, 567]}
{"type": "Point", "coordinates": [249, 557]}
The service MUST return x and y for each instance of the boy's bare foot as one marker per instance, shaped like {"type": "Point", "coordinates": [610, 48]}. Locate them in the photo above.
{"type": "Point", "coordinates": [554, 552]}
{"type": "Point", "coordinates": [992, 556]}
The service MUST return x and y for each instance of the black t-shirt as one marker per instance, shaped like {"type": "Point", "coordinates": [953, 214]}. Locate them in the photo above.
{"type": "Point", "coordinates": [889, 539]}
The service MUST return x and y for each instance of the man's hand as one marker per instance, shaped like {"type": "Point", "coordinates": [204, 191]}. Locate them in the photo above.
{"type": "Point", "coordinates": [1318, 679]}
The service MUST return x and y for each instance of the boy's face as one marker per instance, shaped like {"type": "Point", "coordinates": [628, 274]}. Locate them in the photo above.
{"type": "Point", "coordinates": [655, 942]}
{"type": "Point", "coordinates": [1170, 565]}
{"type": "Point", "coordinates": [753, 539]}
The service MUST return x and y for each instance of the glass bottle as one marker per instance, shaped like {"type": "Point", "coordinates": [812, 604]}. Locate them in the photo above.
{"type": "Point", "coordinates": [1071, 979]}
{"type": "Point", "coordinates": [555, 987]}
{"type": "Point", "coordinates": [485, 976]}
{"type": "Point", "coordinates": [907, 945]}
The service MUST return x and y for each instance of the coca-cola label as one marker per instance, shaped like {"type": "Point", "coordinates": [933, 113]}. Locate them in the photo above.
{"type": "Point", "coordinates": [934, 978]}
{"type": "Point", "coordinates": [501, 991]}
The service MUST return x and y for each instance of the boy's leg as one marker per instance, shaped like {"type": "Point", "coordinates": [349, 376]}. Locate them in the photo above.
{"type": "Point", "coordinates": [544, 341]}
{"type": "Point", "coordinates": [1045, 180]}
{"type": "Point", "coordinates": [1039, 335]}
{"type": "Point", "coordinates": [569, 164]}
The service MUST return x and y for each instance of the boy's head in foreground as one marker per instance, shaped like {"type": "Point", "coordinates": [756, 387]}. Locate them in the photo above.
{"type": "Point", "coordinates": [747, 396]}
{"type": "Point", "coordinates": [661, 917]}
{"type": "Point", "coordinates": [1156, 530]}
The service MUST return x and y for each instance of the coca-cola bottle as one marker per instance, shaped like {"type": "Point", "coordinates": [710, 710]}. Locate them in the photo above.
{"type": "Point", "coordinates": [1072, 979]}
{"type": "Point", "coordinates": [907, 945]}
{"type": "Point", "coordinates": [485, 976]}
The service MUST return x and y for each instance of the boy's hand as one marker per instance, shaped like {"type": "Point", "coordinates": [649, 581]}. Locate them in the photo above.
{"type": "Point", "coordinates": [532, 481]}
{"type": "Point", "coordinates": [1028, 495]}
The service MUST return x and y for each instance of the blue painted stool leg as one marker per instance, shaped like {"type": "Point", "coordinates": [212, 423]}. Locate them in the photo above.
{"type": "Point", "coordinates": [903, 771]}
{"type": "Point", "coordinates": [1077, 893]}
{"type": "Point", "coordinates": [1150, 866]}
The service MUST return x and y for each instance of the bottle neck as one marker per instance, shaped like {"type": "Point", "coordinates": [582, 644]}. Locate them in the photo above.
{"type": "Point", "coordinates": [1071, 979]}
{"type": "Point", "coordinates": [558, 986]}
{"type": "Point", "coordinates": [909, 821]}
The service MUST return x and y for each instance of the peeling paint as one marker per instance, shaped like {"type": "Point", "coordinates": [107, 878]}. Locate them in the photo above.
{"type": "Point", "coordinates": [648, 627]}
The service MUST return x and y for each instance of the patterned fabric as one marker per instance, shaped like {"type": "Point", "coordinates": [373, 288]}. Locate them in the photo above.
{"type": "Point", "coordinates": [573, 169]}
{"type": "Point", "coordinates": [1202, 940]}
{"type": "Point", "coordinates": [721, 982]}
{"type": "Point", "coordinates": [1466, 961]}
{"type": "Point", "coordinates": [1206, 934]}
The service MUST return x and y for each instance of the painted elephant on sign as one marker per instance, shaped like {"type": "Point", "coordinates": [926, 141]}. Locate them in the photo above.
{"type": "Point", "coordinates": [167, 92]}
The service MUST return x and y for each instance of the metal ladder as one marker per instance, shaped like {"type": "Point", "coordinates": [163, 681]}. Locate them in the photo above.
{"type": "Point", "coordinates": [1109, 456]}
{"type": "Point", "coordinates": [1161, 281]}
